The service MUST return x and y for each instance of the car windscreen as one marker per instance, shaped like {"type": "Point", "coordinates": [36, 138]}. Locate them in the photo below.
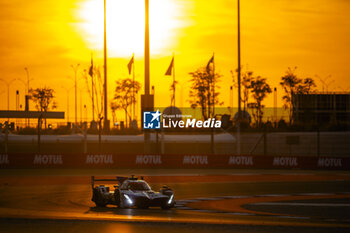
{"type": "Point", "coordinates": [139, 186]}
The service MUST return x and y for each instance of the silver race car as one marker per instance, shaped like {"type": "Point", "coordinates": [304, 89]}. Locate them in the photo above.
{"type": "Point", "coordinates": [131, 192]}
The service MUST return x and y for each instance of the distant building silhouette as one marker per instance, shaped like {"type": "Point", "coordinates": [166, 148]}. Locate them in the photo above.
{"type": "Point", "coordinates": [321, 108]}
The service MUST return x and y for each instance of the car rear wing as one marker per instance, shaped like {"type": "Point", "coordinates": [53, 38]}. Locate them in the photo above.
{"type": "Point", "coordinates": [119, 179]}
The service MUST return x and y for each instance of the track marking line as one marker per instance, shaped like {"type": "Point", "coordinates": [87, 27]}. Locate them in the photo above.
{"type": "Point", "coordinates": [301, 204]}
{"type": "Point", "coordinates": [208, 199]}
{"type": "Point", "coordinates": [183, 204]}
{"type": "Point", "coordinates": [242, 214]}
{"type": "Point", "coordinates": [314, 194]}
{"type": "Point", "coordinates": [272, 195]}
{"type": "Point", "coordinates": [292, 217]}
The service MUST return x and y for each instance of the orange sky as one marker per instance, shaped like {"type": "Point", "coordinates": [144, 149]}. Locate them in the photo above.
{"type": "Point", "coordinates": [48, 36]}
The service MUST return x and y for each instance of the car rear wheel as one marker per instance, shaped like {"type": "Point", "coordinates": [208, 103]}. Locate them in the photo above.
{"type": "Point", "coordinates": [98, 199]}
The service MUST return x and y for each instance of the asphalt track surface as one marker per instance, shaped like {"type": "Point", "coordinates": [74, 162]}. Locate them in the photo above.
{"type": "Point", "coordinates": [207, 201]}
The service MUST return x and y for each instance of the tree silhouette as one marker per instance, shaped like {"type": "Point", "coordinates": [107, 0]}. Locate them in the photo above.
{"type": "Point", "coordinates": [43, 99]}
{"type": "Point", "coordinates": [247, 78]}
{"type": "Point", "coordinates": [259, 89]}
{"type": "Point", "coordinates": [306, 86]}
{"type": "Point", "coordinates": [202, 91]}
{"type": "Point", "coordinates": [293, 85]}
{"type": "Point", "coordinates": [123, 96]}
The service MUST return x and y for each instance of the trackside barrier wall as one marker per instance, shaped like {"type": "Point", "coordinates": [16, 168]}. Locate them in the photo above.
{"type": "Point", "coordinates": [170, 161]}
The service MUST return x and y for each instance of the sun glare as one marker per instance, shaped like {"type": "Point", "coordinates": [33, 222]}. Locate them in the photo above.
{"type": "Point", "coordinates": [125, 25]}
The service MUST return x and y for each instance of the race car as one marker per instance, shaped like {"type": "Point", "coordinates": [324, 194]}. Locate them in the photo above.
{"type": "Point", "coordinates": [131, 192]}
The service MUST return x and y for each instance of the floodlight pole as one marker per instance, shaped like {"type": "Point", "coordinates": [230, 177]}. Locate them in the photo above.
{"type": "Point", "coordinates": [147, 136]}
{"type": "Point", "coordinates": [174, 85]}
{"type": "Point", "coordinates": [133, 88]}
{"type": "Point", "coordinates": [27, 72]}
{"type": "Point", "coordinates": [26, 69]}
{"type": "Point", "coordinates": [275, 105]}
{"type": "Point", "coordinates": [239, 79]}
{"type": "Point", "coordinates": [67, 90]}
{"type": "Point", "coordinates": [106, 122]}
{"type": "Point", "coordinates": [213, 113]}
{"type": "Point", "coordinates": [147, 82]}
{"type": "Point", "coordinates": [75, 68]}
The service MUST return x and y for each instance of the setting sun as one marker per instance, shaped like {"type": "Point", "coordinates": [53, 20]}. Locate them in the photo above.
{"type": "Point", "coordinates": [125, 25]}
{"type": "Point", "coordinates": [48, 37]}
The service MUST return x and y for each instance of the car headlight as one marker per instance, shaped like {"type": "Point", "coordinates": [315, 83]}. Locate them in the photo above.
{"type": "Point", "coordinates": [170, 199]}
{"type": "Point", "coordinates": [128, 199]}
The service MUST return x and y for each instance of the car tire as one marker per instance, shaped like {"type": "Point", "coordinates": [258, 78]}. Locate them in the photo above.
{"type": "Point", "coordinates": [121, 203]}
{"type": "Point", "coordinates": [98, 199]}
